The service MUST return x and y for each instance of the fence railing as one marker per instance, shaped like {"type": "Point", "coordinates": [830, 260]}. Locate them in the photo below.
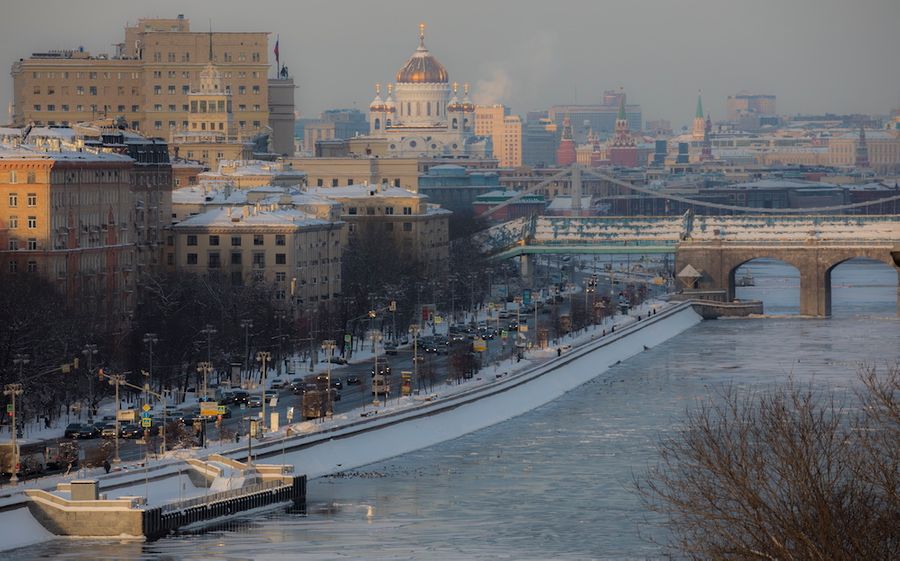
{"type": "Point", "coordinates": [222, 495]}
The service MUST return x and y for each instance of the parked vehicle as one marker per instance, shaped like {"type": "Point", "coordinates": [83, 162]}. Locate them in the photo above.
{"type": "Point", "coordinates": [390, 348]}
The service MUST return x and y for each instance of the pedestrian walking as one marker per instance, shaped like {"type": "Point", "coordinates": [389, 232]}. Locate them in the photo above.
{"type": "Point", "coordinates": [106, 466]}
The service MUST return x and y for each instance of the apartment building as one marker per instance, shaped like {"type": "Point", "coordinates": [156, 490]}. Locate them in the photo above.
{"type": "Point", "coordinates": [149, 79]}
{"type": "Point", "coordinates": [505, 131]}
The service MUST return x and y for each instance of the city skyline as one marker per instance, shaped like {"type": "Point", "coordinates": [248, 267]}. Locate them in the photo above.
{"type": "Point", "coordinates": [834, 59]}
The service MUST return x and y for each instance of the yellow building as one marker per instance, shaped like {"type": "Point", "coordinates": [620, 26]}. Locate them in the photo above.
{"type": "Point", "coordinates": [67, 216]}
{"type": "Point", "coordinates": [298, 255]}
{"type": "Point", "coordinates": [420, 230]}
{"type": "Point", "coordinates": [883, 150]}
{"type": "Point", "coordinates": [504, 130]}
{"type": "Point", "coordinates": [244, 174]}
{"type": "Point", "coordinates": [339, 172]}
{"type": "Point", "coordinates": [148, 80]}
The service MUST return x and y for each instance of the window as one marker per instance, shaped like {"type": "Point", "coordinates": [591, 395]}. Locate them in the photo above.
{"type": "Point", "coordinates": [407, 226]}
{"type": "Point", "coordinates": [407, 210]}
{"type": "Point", "coordinates": [13, 197]}
{"type": "Point", "coordinates": [185, 89]}
{"type": "Point", "coordinates": [214, 240]}
{"type": "Point", "coordinates": [242, 90]}
{"type": "Point", "coordinates": [280, 276]}
{"type": "Point", "coordinates": [170, 259]}
{"type": "Point", "coordinates": [32, 222]}
{"type": "Point", "coordinates": [13, 266]}
{"type": "Point", "coordinates": [171, 89]}
{"type": "Point", "coordinates": [389, 210]}
{"type": "Point", "coordinates": [157, 125]}
{"type": "Point", "coordinates": [13, 222]}
{"type": "Point", "coordinates": [370, 210]}
{"type": "Point", "coordinates": [236, 241]}
{"type": "Point", "coordinates": [32, 244]}
{"type": "Point", "coordinates": [319, 182]}
{"type": "Point", "coordinates": [235, 257]}
{"type": "Point", "coordinates": [350, 181]}
{"type": "Point", "coordinates": [281, 259]}
{"type": "Point", "coordinates": [32, 266]}
{"type": "Point", "coordinates": [214, 261]}
{"type": "Point", "coordinates": [157, 89]}
{"type": "Point", "coordinates": [256, 89]}
{"type": "Point", "coordinates": [135, 108]}
{"type": "Point", "coordinates": [65, 107]}
{"type": "Point", "coordinates": [13, 244]}
{"type": "Point", "coordinates": [37, 107]}
{"type": "Point", "coordinates": [191, 258]}
{"type": "Point", "coordinates": [256, 124]}
{"type": "Point", "coordinates": [32, 199]}
{"type": "Point", "coordinates": [334, 182]}
{"type": "Point", "coordinates": [258, 239]}
{"type": "Point", "coordinates": [279, 239]}
{"type": "Point", "coordinates": [192, 239]}
{"type": "Point", "coordinates": [279, 294]}
{"type": "Point", "coordinates": [37, 90]}
{"type": "Point", "coordinates": [259, 260]}
{"type": "Point", "coordinates": [93, 90]}
{"type": "Point", "coordinates": [351, 210]}
{"type": "Point", "coordinates": [120, 108]}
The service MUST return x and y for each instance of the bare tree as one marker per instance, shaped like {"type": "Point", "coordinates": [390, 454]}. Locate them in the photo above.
{"type": "Point", "coordinates": [786, 474]}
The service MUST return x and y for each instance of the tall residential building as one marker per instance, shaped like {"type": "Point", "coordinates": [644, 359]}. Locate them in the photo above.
{"type": "Point", "coordinates": [66, 215]}
{"type": "Point", "coordinates": [148, 80]}
{"type": "Point", "coordinates": [539, 142]}
{"type": "Point", "coordinates": [744, 104]}
{"type": "Point", "coordinates": [504, 130]}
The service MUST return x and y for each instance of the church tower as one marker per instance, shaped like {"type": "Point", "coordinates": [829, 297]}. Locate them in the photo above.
{"type": "Point", "coordinates": [862, 150]}
{"type": "Point", "coordinates": [565, 154]}
{"type": "Point", "coordinates": [210, 104]}
{"type": "Point", "coordinates": [622, 149]}
{"type": "Point", "coordinates": [706, 150]}
{"type": "Point", "coordinates": [699, 122]}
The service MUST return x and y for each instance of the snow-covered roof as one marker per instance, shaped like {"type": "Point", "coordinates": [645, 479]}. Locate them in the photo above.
{"type": "Point", "coordinates": [251, 216]}
{"type": "Point", "coordinates": [362, 191]}
{"type": "Point", "coordinates": [28, 152]}
{"type": "Point", "coordinates": [565, 203]}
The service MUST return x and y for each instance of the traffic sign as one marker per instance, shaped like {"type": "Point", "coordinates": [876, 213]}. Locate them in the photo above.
{"type": "Point", "coordinates": [526, 296]}
{"type": "Point", "coordinates": [145, 414]}
{"type": "Point", "coordinates": [438, 320]}
{"type": "Point", "coordinates": [209, 408]}
{"type": "Point", "coordinates": [504, 334]}
{"type": "Point", "coordinates": [479, 346]}
{"type": "Point", "coordinates": [220, 409]}
{"type": "Point", "coordinates": [9, 407]}
{"type": "Point", "coordinates": [146, 407]}
{"type": "Point", "coordinates": [146, 423]}
{"type": "Point", "coordinates": [290, 414]}
{"type": "Point", "coordinates": [348, 338]}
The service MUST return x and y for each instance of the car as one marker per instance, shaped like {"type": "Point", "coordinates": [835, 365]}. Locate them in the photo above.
{"type": "Point", "coordinates": [404, 339]}
{"type": "Point", "coordinates": [383, 369]}
{"type": "Point", "coordinates": [278, 383]}
{"type": "Point", "coordinates": [390, 348]}
{"type": "Point", "coordinates": [254, 401]}
{"type": "Point", "coordinates": [240, 396]}
{"type": "Point", "coordinates": [270, 394]}
{"type": "Point", "coordinates": [305, 387]}
{"type": "Point", "coordinates": [335, 395]}
{"type": "Point", "coordinates": [82, 431]}
{"type": "Point", "coordinates": [108, 430]}
{"type": "Point", "coordinates": [352, 380]}
{"type": "Point", "coordinates": [513, 326]}
{"type": "Point", "coordinates": [336, 383]}
{"type": "Point", "coordinates": [226, 398]}
{"type": "Point", "coordinates": [131, 431]}
{"type": "Point", "coordinates": [337, 360]}
{"type": "Point", "coordinates": [442, 349]}
{"type": "Point", "coordinates": [456, 337]}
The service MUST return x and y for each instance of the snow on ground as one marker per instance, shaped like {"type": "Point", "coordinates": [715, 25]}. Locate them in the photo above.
{"type": "Point", "coordinates": [18, 528]}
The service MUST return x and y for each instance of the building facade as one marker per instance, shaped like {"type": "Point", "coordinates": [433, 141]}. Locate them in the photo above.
{"type": "Point", "coordinates": [504, 130]}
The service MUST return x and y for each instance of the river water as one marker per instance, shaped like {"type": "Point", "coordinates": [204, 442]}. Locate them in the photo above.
{"type": "Point", "coordinates": [555, 483]}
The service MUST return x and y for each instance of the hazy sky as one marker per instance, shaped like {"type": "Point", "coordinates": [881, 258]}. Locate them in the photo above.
{"type": "Point", "coordinates": [815, 55]}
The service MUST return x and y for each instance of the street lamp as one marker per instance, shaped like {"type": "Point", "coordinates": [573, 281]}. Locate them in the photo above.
{"type": "Point", "coordinates": [204, 367]}
{"type": "Point", "coordinates": [209, 331]}
{"type": "Point", "coordinates": [117, 380]}
{"type": "Point", "coordinates": [246, 325]}
{"type": "Point", "coordinates": [150, 339]}
{"type": "Point", "coordinates": [263, 357]}
{"type": "Point", "coordinates": [13, 390]}
{"type": "Point", "coordinates": [414, 331]}
{"type": "Point", "coordinates": [89, 351]}
{"type": "Point", "coordinates": [328, 346]}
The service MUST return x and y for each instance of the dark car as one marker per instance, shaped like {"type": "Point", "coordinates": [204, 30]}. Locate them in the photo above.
{"type": "Point", "coordinates": [240, 397]}
{"type": "Point", "coordinates": [131, 431]}
{"type": "Point", "coordinates": [352, 380]}
{"type": "Point", "coordinates": [390, 348]}
{"type": "Point", "coordinates": [305, 387]}
{"type": "Point", "coordinates": [337, 360]}
{"type": "Point", "coordinates": [336, 383]}
{"type": "Point", "coordinates": [384, 370]}
{"type": "Point", "coordinates": [82, 430]}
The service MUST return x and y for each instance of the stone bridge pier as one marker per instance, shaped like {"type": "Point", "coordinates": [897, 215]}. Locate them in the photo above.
{"type": "Point", "coordinates": [717, 261]}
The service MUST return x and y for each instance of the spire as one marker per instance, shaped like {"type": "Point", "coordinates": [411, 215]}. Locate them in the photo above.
{"type": "Point", "coordinates": [621, 116]}
{"type": "Point", "coordinates": [699, 113]}
{"type": "Point", "coordinates": [422, 35]}
{"type": "Point", "coordinates": [210, 41]}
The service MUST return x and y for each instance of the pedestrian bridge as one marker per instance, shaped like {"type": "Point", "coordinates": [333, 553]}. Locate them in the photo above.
{"type": "Point", "coordinates": [709, 249]}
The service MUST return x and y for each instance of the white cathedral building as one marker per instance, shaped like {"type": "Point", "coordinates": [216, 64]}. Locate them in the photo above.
{"type": "Point", "coordinates": [422, 116]}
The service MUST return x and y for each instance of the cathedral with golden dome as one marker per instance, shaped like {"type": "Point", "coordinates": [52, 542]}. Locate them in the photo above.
{"type": "Point", "coordinates": [423, 115]}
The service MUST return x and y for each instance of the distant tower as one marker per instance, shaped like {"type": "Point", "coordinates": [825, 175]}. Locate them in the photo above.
{"type": "Point", "coordinates": [862, 150]}
{"type": "Point", "coordinates": [699, 128]}
{"type": "Point", "coordinates": [706, 152]}
{"type": "Point", "coordinates": [565, 154]}
{"type": "Point", "coordinates": [622, 149]}
{"type": "Point", "coordinates": [377, 112]}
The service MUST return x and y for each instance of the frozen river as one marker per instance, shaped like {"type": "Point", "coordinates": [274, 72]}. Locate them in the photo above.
{"type": "Point", "coordinates": [554, 483]}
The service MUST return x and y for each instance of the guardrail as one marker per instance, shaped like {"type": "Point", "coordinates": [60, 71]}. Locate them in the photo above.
{"type": "Point", "coordinates": [221, 496]}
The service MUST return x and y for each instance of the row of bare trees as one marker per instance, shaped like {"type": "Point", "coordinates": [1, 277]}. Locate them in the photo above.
{"type": "Point", "coordinates": [785, 474]}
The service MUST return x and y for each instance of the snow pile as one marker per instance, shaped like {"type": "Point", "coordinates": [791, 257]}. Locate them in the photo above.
{"type": "Point", "coordinates": [18, 528]}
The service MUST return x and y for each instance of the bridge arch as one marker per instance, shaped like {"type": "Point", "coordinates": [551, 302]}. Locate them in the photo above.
{"type": "Point", "coordinates": [776, 283]}
{"type": "Point", "coordinates": [881, 261]}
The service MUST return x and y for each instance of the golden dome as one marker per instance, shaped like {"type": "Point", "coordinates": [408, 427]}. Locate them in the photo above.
{"type": "Point", "coordinates": [422, 68]}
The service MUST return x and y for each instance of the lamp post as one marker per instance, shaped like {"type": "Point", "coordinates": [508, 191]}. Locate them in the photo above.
{"type": "Point", "coordinates": [89, 351]}
{"type": "Point", "coordinates": [117, 380]}
{"type": "Point", "coordinates": [150, 339]}
{"type": "Point", "coordinates": [328, 346]}
{"type": "Point", "coordinates": [246, 325]}
{"type": "Point", "coordinates": [204, 367]}
{"type": "Point", "coordinates": [414, 330]}
{"type": "Point", "coordinates": [13, 390]}
{"type": "Point", "coordinates": [209, 331]}
{"type": "Point", "coordinates": [263, 357]}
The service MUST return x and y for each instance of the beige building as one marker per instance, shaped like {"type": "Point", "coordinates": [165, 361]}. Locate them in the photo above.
{"type": "Point", "coordinates": [419, 229]}
{"type": "Point", "coordinates": [67, 216]}
{"type": "Point", "coordinates": [297, 254]}
{"type": "Point", "coordinates": [504, 130]}
{"type": "Point", "coordinates": [191, 201]}
{"type": "Point", "coordinates": [253, 173]}
{"type": "Point", "coordinates": [340, 172]}
{"type": "Point", "coordinates": [883, 148]}
{"type": "Point", "coordinates": [149, 79]}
